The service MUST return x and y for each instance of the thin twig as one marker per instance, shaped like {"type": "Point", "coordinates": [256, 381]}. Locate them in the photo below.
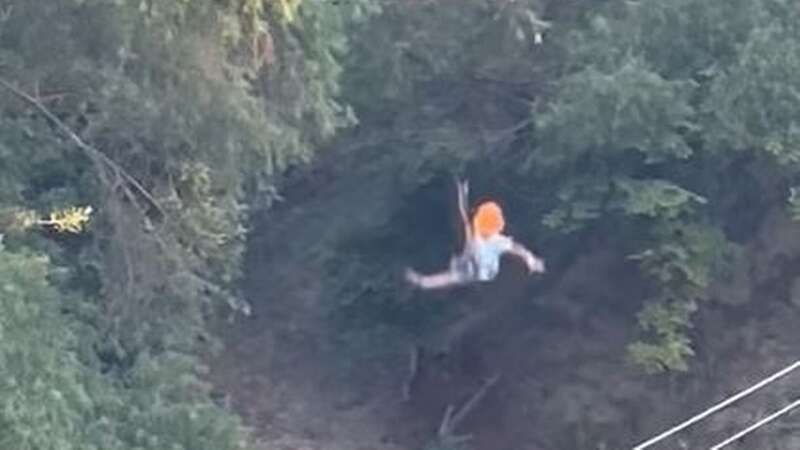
{"type": "Point", "coordinates": [445, 430]}
{"type": "Point", "coordinates": [474, 400]}
{"type": "Point", "coordinates": [413, 370]}
{"type": "Point", "coordinates": [92, 152]}
{"type": "Point", "coordinates": [49, 97]}
{"type": "Point", "coordinates": [498, 135]}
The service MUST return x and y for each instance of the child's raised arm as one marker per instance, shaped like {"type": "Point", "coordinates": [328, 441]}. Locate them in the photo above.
{"type": "Point", "coordinates": [463, 192]}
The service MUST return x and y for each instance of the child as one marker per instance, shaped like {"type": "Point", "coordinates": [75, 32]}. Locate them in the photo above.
{"type": "Point", "coordinates": [483, 247]}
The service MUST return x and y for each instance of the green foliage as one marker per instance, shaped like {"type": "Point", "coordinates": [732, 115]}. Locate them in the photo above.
{"type": "Point", "coordinates": [588, 199]}
{"type": "Point", "coordinates": [682, 266]}
{"type": "Point", "coordinates": [409, 44]}
{"type": "Point", "coordinates": [43, 401]}
{"type": "Point", "coordinates": [630, 108]}
{"type": "Point", "coordinates": [655, 198]}
{"type": "Point", "coordinates": [163, 404]}
{"type": "Point", "coordinates": [162, 91]}
{"type": "Point", "coordinates": [670, 348]}
{"type": "Point", "coordinates": [654, 97]}
{"type": "Point", "coordinates": [680, 39]}
{"type": "Point", "coordinates": [580, 202]}
{"type": "Point", "coordinates": [303, 85]}
{"type": "Point", "coordinates": [753, 104]}
{"type": "Point", "coordinates": [186, 112]}
{"type": "Point", "coordinates": [690, 253]}
{"type": "Point", "coordinates": [54, 398]}
{"type": "Point", "coordinates": [444, 86]}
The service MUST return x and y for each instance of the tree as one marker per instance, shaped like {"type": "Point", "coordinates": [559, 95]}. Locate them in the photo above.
{"type": "Point", "coordinates": [44, 401]}
{"type": "Point", "coordinates": [655, 97]}
{"type": "Point", "coordinates": [170, 118]}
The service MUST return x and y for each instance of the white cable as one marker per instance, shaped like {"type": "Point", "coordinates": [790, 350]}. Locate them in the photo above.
{"type": "Point", "coordinates": [757, 425]}
{"type": "Point", "coordinates": [718, 406]}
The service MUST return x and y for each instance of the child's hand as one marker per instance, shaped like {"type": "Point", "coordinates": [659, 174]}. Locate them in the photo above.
{"type": "Point", "coordinates": [534, 264]}
{"type": "Point", "coordinates": [463, 190]}
{"type": "Point", "coordinates": [413, 277]}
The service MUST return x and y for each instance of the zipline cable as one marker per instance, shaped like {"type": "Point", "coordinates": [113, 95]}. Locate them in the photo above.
{"type": "Point", "coordinates": [718, 406]}
{"type": "Point", "coordinates": [757, 425]}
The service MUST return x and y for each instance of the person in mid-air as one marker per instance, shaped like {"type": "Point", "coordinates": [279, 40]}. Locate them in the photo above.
{"type": "Point", "coordinates": [484, 245]}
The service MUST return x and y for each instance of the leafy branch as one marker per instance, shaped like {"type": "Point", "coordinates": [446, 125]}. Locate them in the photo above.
{"type": "Point", "coordinates": [65, 220]}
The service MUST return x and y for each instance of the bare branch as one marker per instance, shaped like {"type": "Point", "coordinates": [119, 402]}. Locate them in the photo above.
{"type": "Point", "coordinates": [474, 400]}
{"type": "Point", "coordinates": [452, 418]}
{"type": "Point", "coordinates": [445, 427]}
{"type": "Point", "coordinates": [98, 157]}
{"type": "Point", "coordinates": [413, 370]}
{"type": "Point", "coordinates": [497, 136]}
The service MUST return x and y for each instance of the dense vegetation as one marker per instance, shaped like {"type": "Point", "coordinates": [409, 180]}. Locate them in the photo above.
{"type": "Point", "coordinates": [169, 119]}
{"type": "Point", "coordinates": [667, 127]}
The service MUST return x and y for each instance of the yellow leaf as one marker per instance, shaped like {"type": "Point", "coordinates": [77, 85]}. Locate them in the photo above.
{"type": "Point", "coordinates": [70, 220]}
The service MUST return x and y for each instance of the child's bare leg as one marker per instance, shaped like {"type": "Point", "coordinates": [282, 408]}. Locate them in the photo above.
{"type": "Point", "coordinates": [433, 281]}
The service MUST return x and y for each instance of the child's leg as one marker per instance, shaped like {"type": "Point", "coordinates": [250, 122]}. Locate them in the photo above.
{"type": "Point", "coordinates": [434, 281]}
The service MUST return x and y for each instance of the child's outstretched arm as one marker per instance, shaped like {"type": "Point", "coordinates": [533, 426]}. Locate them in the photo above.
{"type": "Point", "coordinates": [534, 263]}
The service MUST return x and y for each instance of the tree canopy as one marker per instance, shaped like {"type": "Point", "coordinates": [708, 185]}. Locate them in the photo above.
{"type": "Point", "coordinates": [169, 119]}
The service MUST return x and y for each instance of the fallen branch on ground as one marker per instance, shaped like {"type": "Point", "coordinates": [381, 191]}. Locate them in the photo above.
{"type": "Point", "coordinates": [413, 370]}
{"type": "Point", "coordinates": [452, 417]}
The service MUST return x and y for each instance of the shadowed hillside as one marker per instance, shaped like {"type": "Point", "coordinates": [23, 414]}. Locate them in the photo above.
{"type": "Point", "coordinates": [564, 382]}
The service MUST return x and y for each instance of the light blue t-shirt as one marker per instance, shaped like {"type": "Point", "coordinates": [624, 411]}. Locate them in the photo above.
{"type": "Point", "coordinates": [487, 254]}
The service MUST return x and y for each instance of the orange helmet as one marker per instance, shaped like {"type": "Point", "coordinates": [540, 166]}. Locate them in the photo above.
{"type": "Point", "coordinates": [488, 219]}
